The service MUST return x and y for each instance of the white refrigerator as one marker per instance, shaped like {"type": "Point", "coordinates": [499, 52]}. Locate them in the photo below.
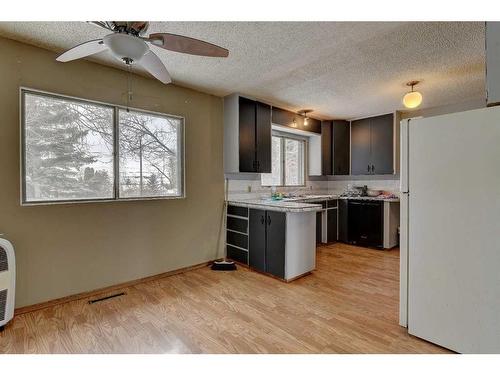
{"type": "Point", "coordinates": [450, 230]}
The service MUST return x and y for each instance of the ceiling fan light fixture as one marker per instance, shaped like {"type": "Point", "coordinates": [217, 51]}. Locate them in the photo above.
{"type": "Point", "coordinates": [129, 44]}
{"type": "Point", "coordinates": [126, 47]}
{"type": "Point", "coordinates": [413, 98]}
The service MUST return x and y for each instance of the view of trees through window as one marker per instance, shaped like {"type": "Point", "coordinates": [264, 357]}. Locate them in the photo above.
{"type": "Point", "coordinates": [69, 151]}
{"type": "Point", "coordinates": [287, 163]}
{"type": "Point", "coordinates": [148, 155]}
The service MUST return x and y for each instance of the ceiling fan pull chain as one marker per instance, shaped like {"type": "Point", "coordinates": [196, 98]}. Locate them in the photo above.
{"type": "Point", "coordinates": [129, 91]}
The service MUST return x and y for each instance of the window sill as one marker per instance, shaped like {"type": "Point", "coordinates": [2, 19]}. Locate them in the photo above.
{"type": "Point", "coordinates": [106, 200]}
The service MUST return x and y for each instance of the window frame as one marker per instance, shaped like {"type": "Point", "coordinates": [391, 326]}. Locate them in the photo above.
{"type": "Point", "coordinates": [116, 151]}
{"type": "Point", "coordinates": [283, 137]}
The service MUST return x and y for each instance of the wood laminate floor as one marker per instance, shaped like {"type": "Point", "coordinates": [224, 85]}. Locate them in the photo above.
{"type": "Point", "coordinates": [348, 305]}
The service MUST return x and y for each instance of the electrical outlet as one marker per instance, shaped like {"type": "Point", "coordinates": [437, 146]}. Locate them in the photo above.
{"type": "Point", "coordinates": [249, 188]}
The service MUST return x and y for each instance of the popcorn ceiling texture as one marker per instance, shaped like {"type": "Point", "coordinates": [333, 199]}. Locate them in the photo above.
{"type": "Point", "coordinates": [339, 69]}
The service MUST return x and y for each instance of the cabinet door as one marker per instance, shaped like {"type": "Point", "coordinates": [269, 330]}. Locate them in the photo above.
{"type": "Point", "coordinates": [326, 148]}
{"type": "Point", "coordinates": [355, 221]}
{"type": "Point", "coordinates": [341, 143]}
{"type": "Point", "coordinates": [263, 141]}
{"type": "Point", "coordinates": [360, 147]}
{"type": "Point", "coordinates": [331, 225]}
{"type": "Point", "coordinates": [382, 144]}
{"type": "Point", "coordinates": [343, 218]}
{"type": "Point", "coordinates": [319, 227]}
{"type": "Point", "coordinates": [373, 215]}
{"type": "Point", "coordinates": [275, 243]}
{"type": "Point", "coordinates": [257, 240]}
{"type": "Point", "coordinates": [247, 139]}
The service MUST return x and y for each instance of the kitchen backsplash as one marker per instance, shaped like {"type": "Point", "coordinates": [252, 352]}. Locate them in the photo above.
{"type": "Point", "coordinates": [338, 186]}
{"type": "Point", "coordinates": [239, 189]}
{"type": "Point", "coordinates": [252, 189]}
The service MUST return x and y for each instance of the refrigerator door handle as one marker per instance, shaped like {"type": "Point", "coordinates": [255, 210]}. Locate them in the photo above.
{"type": "Point", "coordinates": [404, 142]}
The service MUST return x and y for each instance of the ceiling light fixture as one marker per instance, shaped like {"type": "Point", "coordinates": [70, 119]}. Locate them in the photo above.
{"type": "Point", "coordinates": [412, 99]}
{"type": "Point", "coordinates": [304, 113]}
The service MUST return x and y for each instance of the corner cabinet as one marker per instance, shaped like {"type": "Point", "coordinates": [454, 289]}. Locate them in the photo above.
{"type": "Point", "coordinates": [247, 135]}
{"type": "Point", "coordinates": [372, 145]}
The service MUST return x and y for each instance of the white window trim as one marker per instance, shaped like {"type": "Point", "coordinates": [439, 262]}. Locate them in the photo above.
{"type": "Point", "coordinates": [116, 198]}
{"type": "Point", "coordinates": [283, 136]}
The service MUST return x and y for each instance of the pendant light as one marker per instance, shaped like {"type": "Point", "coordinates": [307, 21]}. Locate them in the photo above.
{"type": "Point", "coordinates": [304, 113]}
{"type": "Point", "coordinates": [413, 98]}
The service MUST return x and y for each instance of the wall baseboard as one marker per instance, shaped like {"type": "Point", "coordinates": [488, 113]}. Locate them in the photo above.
{"type": "Point", "coordinates": [108, 289]}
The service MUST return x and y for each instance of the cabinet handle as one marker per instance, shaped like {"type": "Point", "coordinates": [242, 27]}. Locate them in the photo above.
{"type": "Point", "coordinates": [368, 169]}
{"type": "Point", "coordinates": [262, 220]}
{"type": "Point", "coordinates": [373, 168]}
{"type": "Point", "coordinates": [268, 220]}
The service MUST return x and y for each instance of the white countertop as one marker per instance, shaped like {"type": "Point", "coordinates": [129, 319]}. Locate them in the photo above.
{"type": "Point", "coordinates": [298, 204]}
{"type": "Point", "coordinates": [282, 205]}
{"type": "Point", "coordinates": [394, 200]}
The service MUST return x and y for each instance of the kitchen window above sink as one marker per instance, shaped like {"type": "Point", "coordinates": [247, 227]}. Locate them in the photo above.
{"type": "Point", "coordinates": [288, 162]}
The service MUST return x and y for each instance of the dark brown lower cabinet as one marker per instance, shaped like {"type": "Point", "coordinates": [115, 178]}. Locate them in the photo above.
{"type": "Point", "coordinates": [319, 228]}
{"type": "Point", "coordinates": [343, 220]}
{"type": "Point", "coordinates": [257, 243]}
{"type": "Point", "coordinates": [267, 231]}
{"type": "Point", "coordinates": [331, 218]}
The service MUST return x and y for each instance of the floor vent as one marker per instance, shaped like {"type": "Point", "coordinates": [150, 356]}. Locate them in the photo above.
{"type": "Point", "coordinates": [107, 297]}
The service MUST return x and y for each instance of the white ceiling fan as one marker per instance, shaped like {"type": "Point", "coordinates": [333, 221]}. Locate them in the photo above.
{"type": "Point", "coordinates": [128, 43]}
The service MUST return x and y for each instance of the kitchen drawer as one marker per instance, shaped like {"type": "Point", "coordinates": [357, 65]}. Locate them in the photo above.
{"type": "Point", "coordinates": [237, 254]}
{"type": "Point", "coordinates": [332, 203]}
{"type": "Point", "coordinates": [237, 224]}
{"type": "Point", "coordinates": [237, 211]}
{"type": "Point", "coordinates": [237, 239]}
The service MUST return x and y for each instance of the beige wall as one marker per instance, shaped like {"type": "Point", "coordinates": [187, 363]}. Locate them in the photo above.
{"type": "Point", "coordinates": [71, 248]}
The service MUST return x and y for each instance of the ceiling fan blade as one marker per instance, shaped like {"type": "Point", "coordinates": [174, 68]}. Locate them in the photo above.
{"type": "Point", "coordinates": [184, 44]}
{"type": "Point", "coordinates": [82, 50]}
{"type": "Point", "coordinates": [155, 66]}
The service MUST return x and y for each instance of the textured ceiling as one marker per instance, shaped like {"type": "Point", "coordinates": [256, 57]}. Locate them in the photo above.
{"type": "Point", "coordinates": [339, 69]}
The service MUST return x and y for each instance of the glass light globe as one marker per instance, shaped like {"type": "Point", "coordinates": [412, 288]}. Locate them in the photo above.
{"type": "Point", "coordinates": [412, 99]}
{"type": "Point", "coordinates": [124, 46]}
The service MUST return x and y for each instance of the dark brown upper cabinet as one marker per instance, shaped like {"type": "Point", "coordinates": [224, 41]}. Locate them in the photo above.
{"type": "Point", "coordinates": [341, 140]}
{"type": "Point", "coordinates": [372, 145]}
{"type": "Point", "coordinates": [295, 121]}
{"type": "Point", "coordinates": [247, 135]}
{"type": "Point", "coordinates": [335, 137]}
{"type": "Point", "coordinates": [326, 148]}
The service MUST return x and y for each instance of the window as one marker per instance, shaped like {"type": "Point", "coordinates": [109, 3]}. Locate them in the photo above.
{"type": "Point", "coordinates": [74, 150]}
{"type": "Point", "coordinates": [149, 146]}
{"type": "Point", "coordinates": [287, 163]}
